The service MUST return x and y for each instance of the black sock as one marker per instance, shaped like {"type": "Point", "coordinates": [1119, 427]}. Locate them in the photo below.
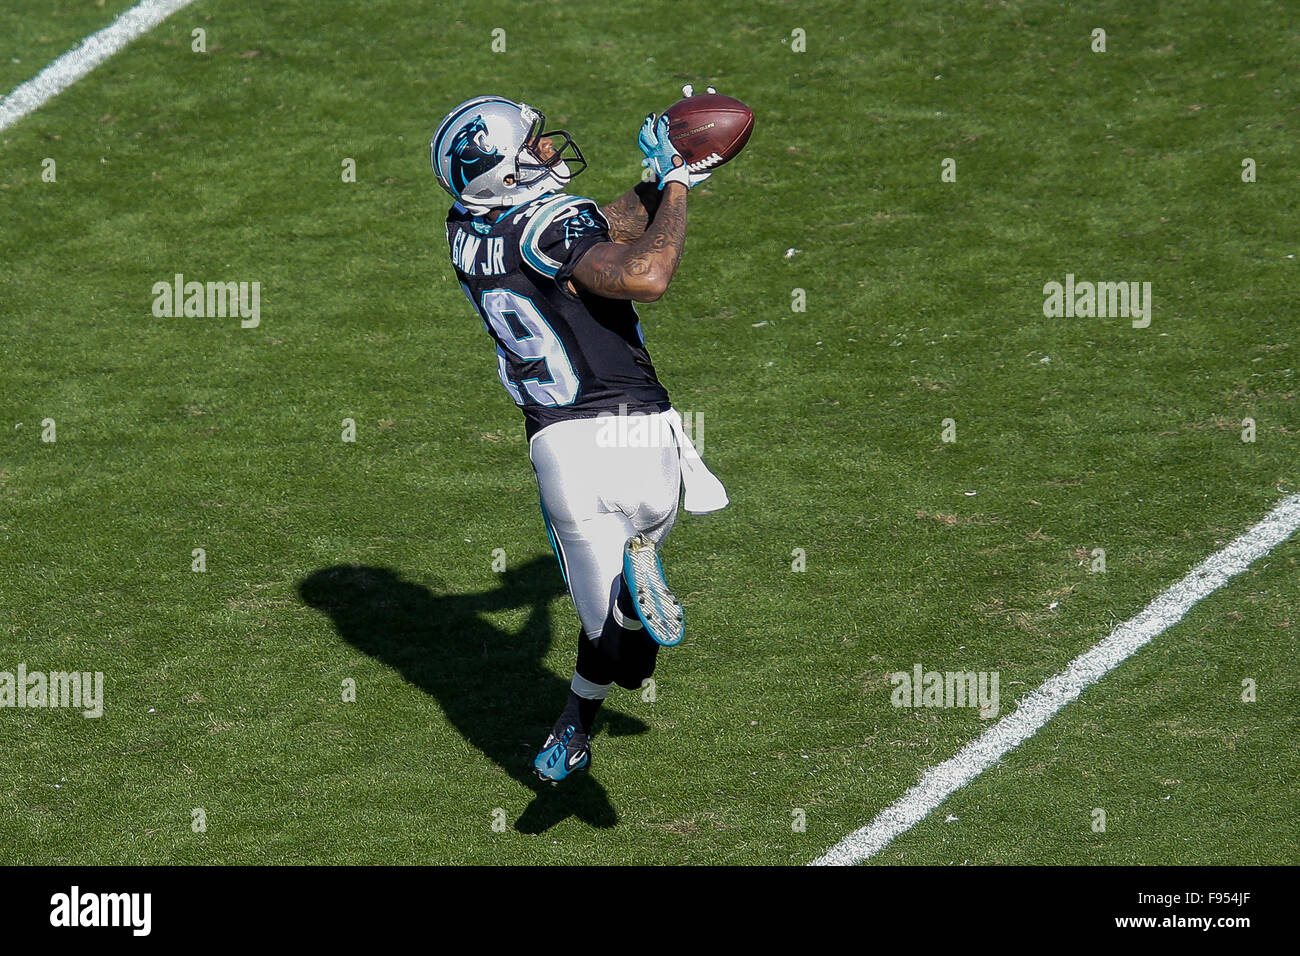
{"type": "Point", "coordinates": [579, 711]}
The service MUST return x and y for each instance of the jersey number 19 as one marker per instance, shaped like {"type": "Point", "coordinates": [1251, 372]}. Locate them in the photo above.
{"type": "Point", "coordinates": [524, 338]}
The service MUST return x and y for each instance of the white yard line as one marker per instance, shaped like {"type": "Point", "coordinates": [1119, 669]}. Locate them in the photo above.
{"type": "Point", "coordinates": [941, 781]}
{"type": "Point", "coordinates": [84, 57]}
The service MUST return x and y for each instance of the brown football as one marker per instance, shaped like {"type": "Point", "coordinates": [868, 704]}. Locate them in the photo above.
{"type": "Point", "coordinates": [709, 129]}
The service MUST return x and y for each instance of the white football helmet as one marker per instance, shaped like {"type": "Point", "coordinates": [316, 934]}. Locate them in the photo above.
{"type": "Point", "coordinates": [485, 154]}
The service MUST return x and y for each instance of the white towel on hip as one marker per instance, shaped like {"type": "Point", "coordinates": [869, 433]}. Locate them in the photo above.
{"type": "Point", "coordinates": [702, 490]}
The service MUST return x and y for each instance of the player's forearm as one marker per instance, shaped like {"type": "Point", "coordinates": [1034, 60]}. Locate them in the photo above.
{"type": "Point", "coordinates": [642, 269]}
{"type": "Point", "coordinates": [630, 214]}
{"type": "Point", "coordinates": [664, 240]}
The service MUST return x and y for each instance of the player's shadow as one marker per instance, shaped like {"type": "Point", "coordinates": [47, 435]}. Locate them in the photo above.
{"type": "Point", "coordinates": [491, 684]}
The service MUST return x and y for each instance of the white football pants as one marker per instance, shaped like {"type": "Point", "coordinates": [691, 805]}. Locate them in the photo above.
{"type": "Point", "coordinates": [603, 480]}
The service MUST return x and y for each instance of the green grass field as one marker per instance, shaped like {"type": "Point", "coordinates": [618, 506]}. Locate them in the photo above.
{"type": "Point", "coordinates": [371, 561]}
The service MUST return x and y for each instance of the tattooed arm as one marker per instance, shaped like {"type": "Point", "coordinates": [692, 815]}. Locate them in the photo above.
{"type": "Point", "coordinates": [630, 213]}
{"type": "Point", "coordinates": [639, 270]}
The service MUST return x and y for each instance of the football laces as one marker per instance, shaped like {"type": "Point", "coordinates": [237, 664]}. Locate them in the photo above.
{"type": "Point", "coordinates": [702, 164]}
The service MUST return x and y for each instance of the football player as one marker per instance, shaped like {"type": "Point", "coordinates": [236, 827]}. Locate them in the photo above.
{"type": "Point", "coordinates": [553, 277]}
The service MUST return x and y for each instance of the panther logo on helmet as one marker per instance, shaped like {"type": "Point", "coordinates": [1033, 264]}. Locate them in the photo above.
{"type": "Point", "coordinates": [469, 157]}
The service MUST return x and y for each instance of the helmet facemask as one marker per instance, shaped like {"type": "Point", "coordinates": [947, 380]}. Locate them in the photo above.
{"type": "Point", "coordinates": [531, 169]}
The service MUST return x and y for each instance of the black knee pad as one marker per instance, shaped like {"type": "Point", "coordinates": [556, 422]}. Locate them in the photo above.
{"type": "Point", "coordinates": [638, 654]}
{"type": "Point", "coordinates": [618, 656]}
{"type": "Point", "coordinates": [593, 664]}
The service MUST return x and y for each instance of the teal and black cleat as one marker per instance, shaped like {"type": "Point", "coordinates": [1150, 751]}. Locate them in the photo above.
{"type": "Point", "coordinates": [562, 755]}
{"type": "Point", "coordinates": [655, 605]}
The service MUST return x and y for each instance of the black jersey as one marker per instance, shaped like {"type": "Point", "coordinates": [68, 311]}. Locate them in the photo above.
{"type": "Point", "coordinates": [560, 354]}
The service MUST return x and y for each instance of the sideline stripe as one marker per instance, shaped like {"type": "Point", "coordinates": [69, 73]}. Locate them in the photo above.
{"type": "Point", "coordinates": [942, 780]}
{"type": "Point", "coordinates": [84, 57]}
